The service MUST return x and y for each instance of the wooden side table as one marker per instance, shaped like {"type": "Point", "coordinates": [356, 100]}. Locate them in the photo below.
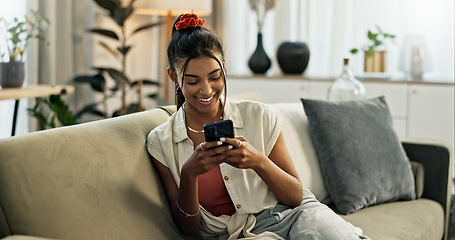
{"type": "Point", "coordinates": [31, 91]}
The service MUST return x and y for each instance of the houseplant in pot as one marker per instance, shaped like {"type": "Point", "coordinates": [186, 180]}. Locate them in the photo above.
{"type": "Point", "coordinates": [119, 46]}
{"type": "Point", "coordinates": [375, 53]}
{"type": "Point", "coordinates": [16, 35]}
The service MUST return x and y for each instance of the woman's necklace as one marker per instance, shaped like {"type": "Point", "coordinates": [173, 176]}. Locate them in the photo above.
{"type": "Point", "coordinates": [199, 131]}
{"type": "Point", "coordinates": [195, 131]}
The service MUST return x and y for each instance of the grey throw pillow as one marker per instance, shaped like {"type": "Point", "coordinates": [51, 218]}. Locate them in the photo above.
{"type": "Point", "coordinates": [361, 158]}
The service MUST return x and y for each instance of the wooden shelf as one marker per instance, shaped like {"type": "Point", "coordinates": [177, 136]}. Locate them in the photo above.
{"type": "Point", "coordinates": [330, 79]}
{"type": "Point", "coordinates": [31, 91]}
{"type": "Point", "coordinates": [34, 91]}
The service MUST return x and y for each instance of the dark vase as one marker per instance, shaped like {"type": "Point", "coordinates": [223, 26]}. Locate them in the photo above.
{"type": "Point", "coordinates": [12, 74]}
{"type": "Point", "coordinates": [293, 57]}
{"type": "Point", "coordinates": [259, 62]}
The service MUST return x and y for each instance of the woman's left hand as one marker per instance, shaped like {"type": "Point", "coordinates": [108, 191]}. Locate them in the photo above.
{"type": "Point", "coordinates": [276, 170]}
{"type": "Point", "coordinates": [243, 155]}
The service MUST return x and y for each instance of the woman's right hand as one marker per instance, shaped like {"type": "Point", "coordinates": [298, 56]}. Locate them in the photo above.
{"type": "Point", "coordinates": [205, 157]}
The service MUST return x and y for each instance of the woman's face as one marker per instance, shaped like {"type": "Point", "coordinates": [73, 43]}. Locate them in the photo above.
{"type": "Point", "coordinates": [202, 85]}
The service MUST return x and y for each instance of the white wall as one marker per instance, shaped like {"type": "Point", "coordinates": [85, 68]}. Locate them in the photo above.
{"type": "Point", "coordinates": [9, 10]}
{"type": "Point", "coordinates": [332, 27]}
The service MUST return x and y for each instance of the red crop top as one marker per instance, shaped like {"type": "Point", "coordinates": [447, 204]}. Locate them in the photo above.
{"type": "Point", "coordinates": [213, 195]}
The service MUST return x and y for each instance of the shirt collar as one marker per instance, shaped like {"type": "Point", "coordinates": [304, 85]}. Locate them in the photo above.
{"type": "Point", "coordinates": [231, 111]}
{"type": "Point", "coordinates": [179, 126]}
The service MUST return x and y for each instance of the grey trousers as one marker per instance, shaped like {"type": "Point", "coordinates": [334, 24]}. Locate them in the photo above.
{"type": "Point", "coordinates": [311, 220]}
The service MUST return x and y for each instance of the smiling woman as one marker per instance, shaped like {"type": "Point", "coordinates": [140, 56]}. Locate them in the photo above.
{"type": "Point", "coordinates": [202, 87]}
{"type": "Point", "coordinates": [218, 189]}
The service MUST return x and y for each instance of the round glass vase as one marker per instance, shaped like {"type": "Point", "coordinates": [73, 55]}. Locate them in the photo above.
{"type": "Point", "coordinates": [346, 87]}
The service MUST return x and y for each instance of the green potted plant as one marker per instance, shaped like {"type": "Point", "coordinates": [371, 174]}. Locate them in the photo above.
{"type": "Point", "coordinates": [16, 35]}
{"type": "Point", "coordinates": [375, 53]}
{"type": "Point", "coordinates": [53, 112]}
{"type": "Point", "coordinates": [98, 81]}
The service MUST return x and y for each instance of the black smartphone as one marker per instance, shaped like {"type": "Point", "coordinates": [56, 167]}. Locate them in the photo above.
{"type": "Point", "coordinates": [214, 131]}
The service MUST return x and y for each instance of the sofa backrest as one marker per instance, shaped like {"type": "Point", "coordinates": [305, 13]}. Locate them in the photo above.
{"type": "Point", "coordinates": [90, 181]}
{"type": "Point", "coordinates": [301, 148]}
{"type": "Point", "coordinates": [95, 180]}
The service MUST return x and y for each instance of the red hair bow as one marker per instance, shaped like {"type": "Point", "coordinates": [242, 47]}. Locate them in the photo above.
{"type": "Point", "coordinates": [189, 20]}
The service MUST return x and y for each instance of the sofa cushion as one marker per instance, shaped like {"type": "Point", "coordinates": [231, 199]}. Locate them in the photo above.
{"type": "Point", "coordinates": [420, 219]}
{"type": "Point", "coordinates": [87, 181]}
{"type": "Point", "coordinates": [361, 158]}
{"type": "Point", "coordinates": [300, 146]}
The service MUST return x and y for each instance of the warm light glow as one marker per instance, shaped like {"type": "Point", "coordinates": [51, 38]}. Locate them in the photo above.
{"type": "Point", "coordinates": [175, 7]}
{"type": "Point", "coordinates": [164, 12]}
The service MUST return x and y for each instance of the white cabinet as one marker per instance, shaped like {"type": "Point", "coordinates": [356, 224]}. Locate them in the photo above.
{"type": "Point", "coordinates": [396, 97]}
{"type": "Point", "coordinates": [431, 112]}
{"type": "Point", "coordinates": [421, 110]}
{"type": "Point", "coordinates": [319, 89]}
{"type": "Point", "coordinates": [277, 90]}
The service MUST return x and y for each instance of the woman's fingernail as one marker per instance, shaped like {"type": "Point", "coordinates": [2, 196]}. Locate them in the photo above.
{"type": "Point", "coordinates": [219, 142]}
{"type": "Point", "coordinates": [230, 146]}
{"type": "Point", "coordinates": [222, 139]}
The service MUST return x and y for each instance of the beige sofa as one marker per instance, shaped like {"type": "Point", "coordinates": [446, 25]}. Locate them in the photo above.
{"type": "Point", "coordinates": [95, 181]}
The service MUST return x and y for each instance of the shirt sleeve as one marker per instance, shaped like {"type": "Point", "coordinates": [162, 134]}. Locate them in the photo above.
{"type": "Point", "coordinates": [155, 148]}
{"type": "Point", "coordinates": [272, 125]}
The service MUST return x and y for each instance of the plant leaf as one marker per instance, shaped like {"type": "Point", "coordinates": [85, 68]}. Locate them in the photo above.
{"type": "Point", "coordinates": [108, 4]}
{"type": "Point", "coordinates": [91, 108]}
{"type": "Point", "coordinates": [146, 82]}
{"type": "Point", "coordinates": [97, 82]}
{"type": "Point", "coordinates": [372, 36]}
{"type": "Point", "coordinates": [120, 15]}
{"type": "Point", "coordinates": [387, 35]}
{"type": "Point", "coordinates": [37, 113]}
{"type": "Point", "coordinates": [100, 69]}
{"type": "Point", "coordinates": [146, 27]}
{"type": "Point", "coordinates": [83, 79]}
{"type": "Point", "coordinates": [370, 52]}
{"type": "Point", "coordinates": [51, 122]}
{"type": "Point", "coordinates": [62, 111]}
{"type": "Point", "coordinates": [115, 88]}
{"type": "Point", "coordinates": [119, 112]}
{"type": "Point", "coordinates": [132, 108]}
{"type": "Point", "coordinates": [104, 32]}
{"type": "Point", "coordinates": [124, 50]}
{"type": "Point", "coordinates": [118, 76]}
{"type": "Point", "coordinates": [108, 48]}
{"type": "Point", "coordinates": [379, 30]}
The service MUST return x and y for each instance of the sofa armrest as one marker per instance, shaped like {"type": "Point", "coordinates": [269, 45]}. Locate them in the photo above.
{"type": "Point", "coordinates": [437, 160]}
{"type": "Point", "coordinates": [22, 237]}
{"type": "Point", "coordinates": [419, 176]}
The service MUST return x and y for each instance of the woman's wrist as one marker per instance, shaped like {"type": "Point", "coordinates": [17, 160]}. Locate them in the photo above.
{"type": "Point", "coordinates": [187, 215]}
{"type": "Point", "coordinates": [186, 175]}
{"type": "Point", "coordinates": [262, 164]}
